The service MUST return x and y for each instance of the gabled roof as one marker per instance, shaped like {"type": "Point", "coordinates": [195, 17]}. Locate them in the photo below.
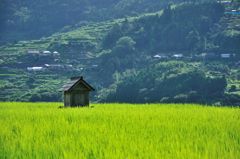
{"type": "Point", "coordinates": [74, 82]}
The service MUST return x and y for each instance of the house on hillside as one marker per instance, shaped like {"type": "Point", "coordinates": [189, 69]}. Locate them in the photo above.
{"type": "Point", "coordinates": [35, 69]}
{"type": "Point", "coordinates": [225, 56]}
{"type": "Point", "coordinates": [225, 1]}
{"type": "Point", "coordinates": [54, 67]}
{"type": "Point", "coordinates": [160, 56]}
{"type": "Point", "coordinates": [33, 52]}
{"type": "Point", "coordinates": [56, 54]}
{"type": "Point", "coordinates": [178, 56]}
{"type": "Point", "coordinates": [46, 53]}
{"type": "Point", "coordinates": [76, 92]}
{"type": "Point", "coordinates": [209, 56]}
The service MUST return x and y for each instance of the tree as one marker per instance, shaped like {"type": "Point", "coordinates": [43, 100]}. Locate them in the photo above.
{"type": "Point", "coordinates": [110, 39]}
{"type": "Point", "coordinates": [126, 42]}
{"type": "Point", "coordinates": [167, 14]}
{"type": "Point", "coordinates": [23, 14]}
{"type": "Point", "coordinates": [233, 88]}
{"type": "Point", "coordinates": [124, 46]}
{"type": "Point", "coordinates": [193, 39]}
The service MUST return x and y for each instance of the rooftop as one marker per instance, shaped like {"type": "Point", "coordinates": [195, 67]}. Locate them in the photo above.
{"type": "Point", "coordinates": [75, 80]}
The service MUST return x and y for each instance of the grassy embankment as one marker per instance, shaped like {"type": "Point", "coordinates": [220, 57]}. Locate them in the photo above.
{"type": "Point", "coordinates": [40, 130]}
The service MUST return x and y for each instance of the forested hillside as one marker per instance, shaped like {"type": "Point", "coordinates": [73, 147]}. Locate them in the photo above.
{"type": "Point", "coordinates": [31, 19]}
{"type": "Point", "coordinates": [167, 52]}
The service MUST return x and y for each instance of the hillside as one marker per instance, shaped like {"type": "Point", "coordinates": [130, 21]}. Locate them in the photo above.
{"type": "Point", "coordinates": [123, 53]}
{"type": "Point", "coordinates": [26, 20]}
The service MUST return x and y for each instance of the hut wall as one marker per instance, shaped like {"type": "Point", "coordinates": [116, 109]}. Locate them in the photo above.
{"type": "Point", "coordinates": [67, 99]}
{"type": "Point", "coordinates": [79, 98]}
{"type": "Point", "coordinates": [86, 98]}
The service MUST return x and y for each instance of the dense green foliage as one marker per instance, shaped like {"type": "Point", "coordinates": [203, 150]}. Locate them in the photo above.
{"type": "Point", "coordinates": [40, 130]}
{"type": "Point", "coordinates": [20, 20]}
{"type": "Point", "coordinates": [117, 55]}
{"type": "Point", "coordinates": [168, 82]}
{"type": "Point", "coordinates": [174, 30]}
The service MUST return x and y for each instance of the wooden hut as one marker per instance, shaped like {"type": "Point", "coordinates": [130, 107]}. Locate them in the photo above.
{"type": "Point", "coordinates": [76, 92]}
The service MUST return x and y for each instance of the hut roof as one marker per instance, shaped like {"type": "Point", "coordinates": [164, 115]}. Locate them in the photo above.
{"type": "Point", "coordinates": [75, 81]}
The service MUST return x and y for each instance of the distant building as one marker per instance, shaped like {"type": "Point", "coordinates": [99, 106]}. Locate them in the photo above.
{"type": "Point", "coordinates": [76, 92]}
{"type": "Point", "coordinates": [157, 56]}
{"type": "Point", "coordinates": [160, 56]}
{"type": "Point", "coordinates": [58, 67]}
{"type": "Point", "coordinates": [56, 60]}
{"type": "Point", "coordinates": [225, 56]}
{"type": "Point", "coordinates": [209, 56]}
{"type": "Point", "coordinates": [177, 56]}
{"type": "Point", "coordinates": [233, 12]}
{"type": "Point", "coordinates": [35, 68]}
{"type": "Point", "coordinates": [55, 53]}
{"type": "Point", "coordinates": [54, 66]}
{"type": "Point", "coordinates": [94, 65]}
{"type": "Point", "coordinates": [68, 67]}
{"type": "Point", "coordinates": [225, 2]}
{"type": "Point", "coordinates": [46, 52]}
{"type": "Point", "coordinates": [33, 52]}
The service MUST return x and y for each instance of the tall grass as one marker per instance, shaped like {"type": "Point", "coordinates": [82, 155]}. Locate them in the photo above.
{"type": "Point", "coordinates": [40, 130]}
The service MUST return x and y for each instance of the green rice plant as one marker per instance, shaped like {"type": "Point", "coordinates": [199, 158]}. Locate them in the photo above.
{"type": "Point", "coordinates": [42, 130]}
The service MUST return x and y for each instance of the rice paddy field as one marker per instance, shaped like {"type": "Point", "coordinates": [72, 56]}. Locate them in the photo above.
{"type": "Point", "coordinates": [119, 131]}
